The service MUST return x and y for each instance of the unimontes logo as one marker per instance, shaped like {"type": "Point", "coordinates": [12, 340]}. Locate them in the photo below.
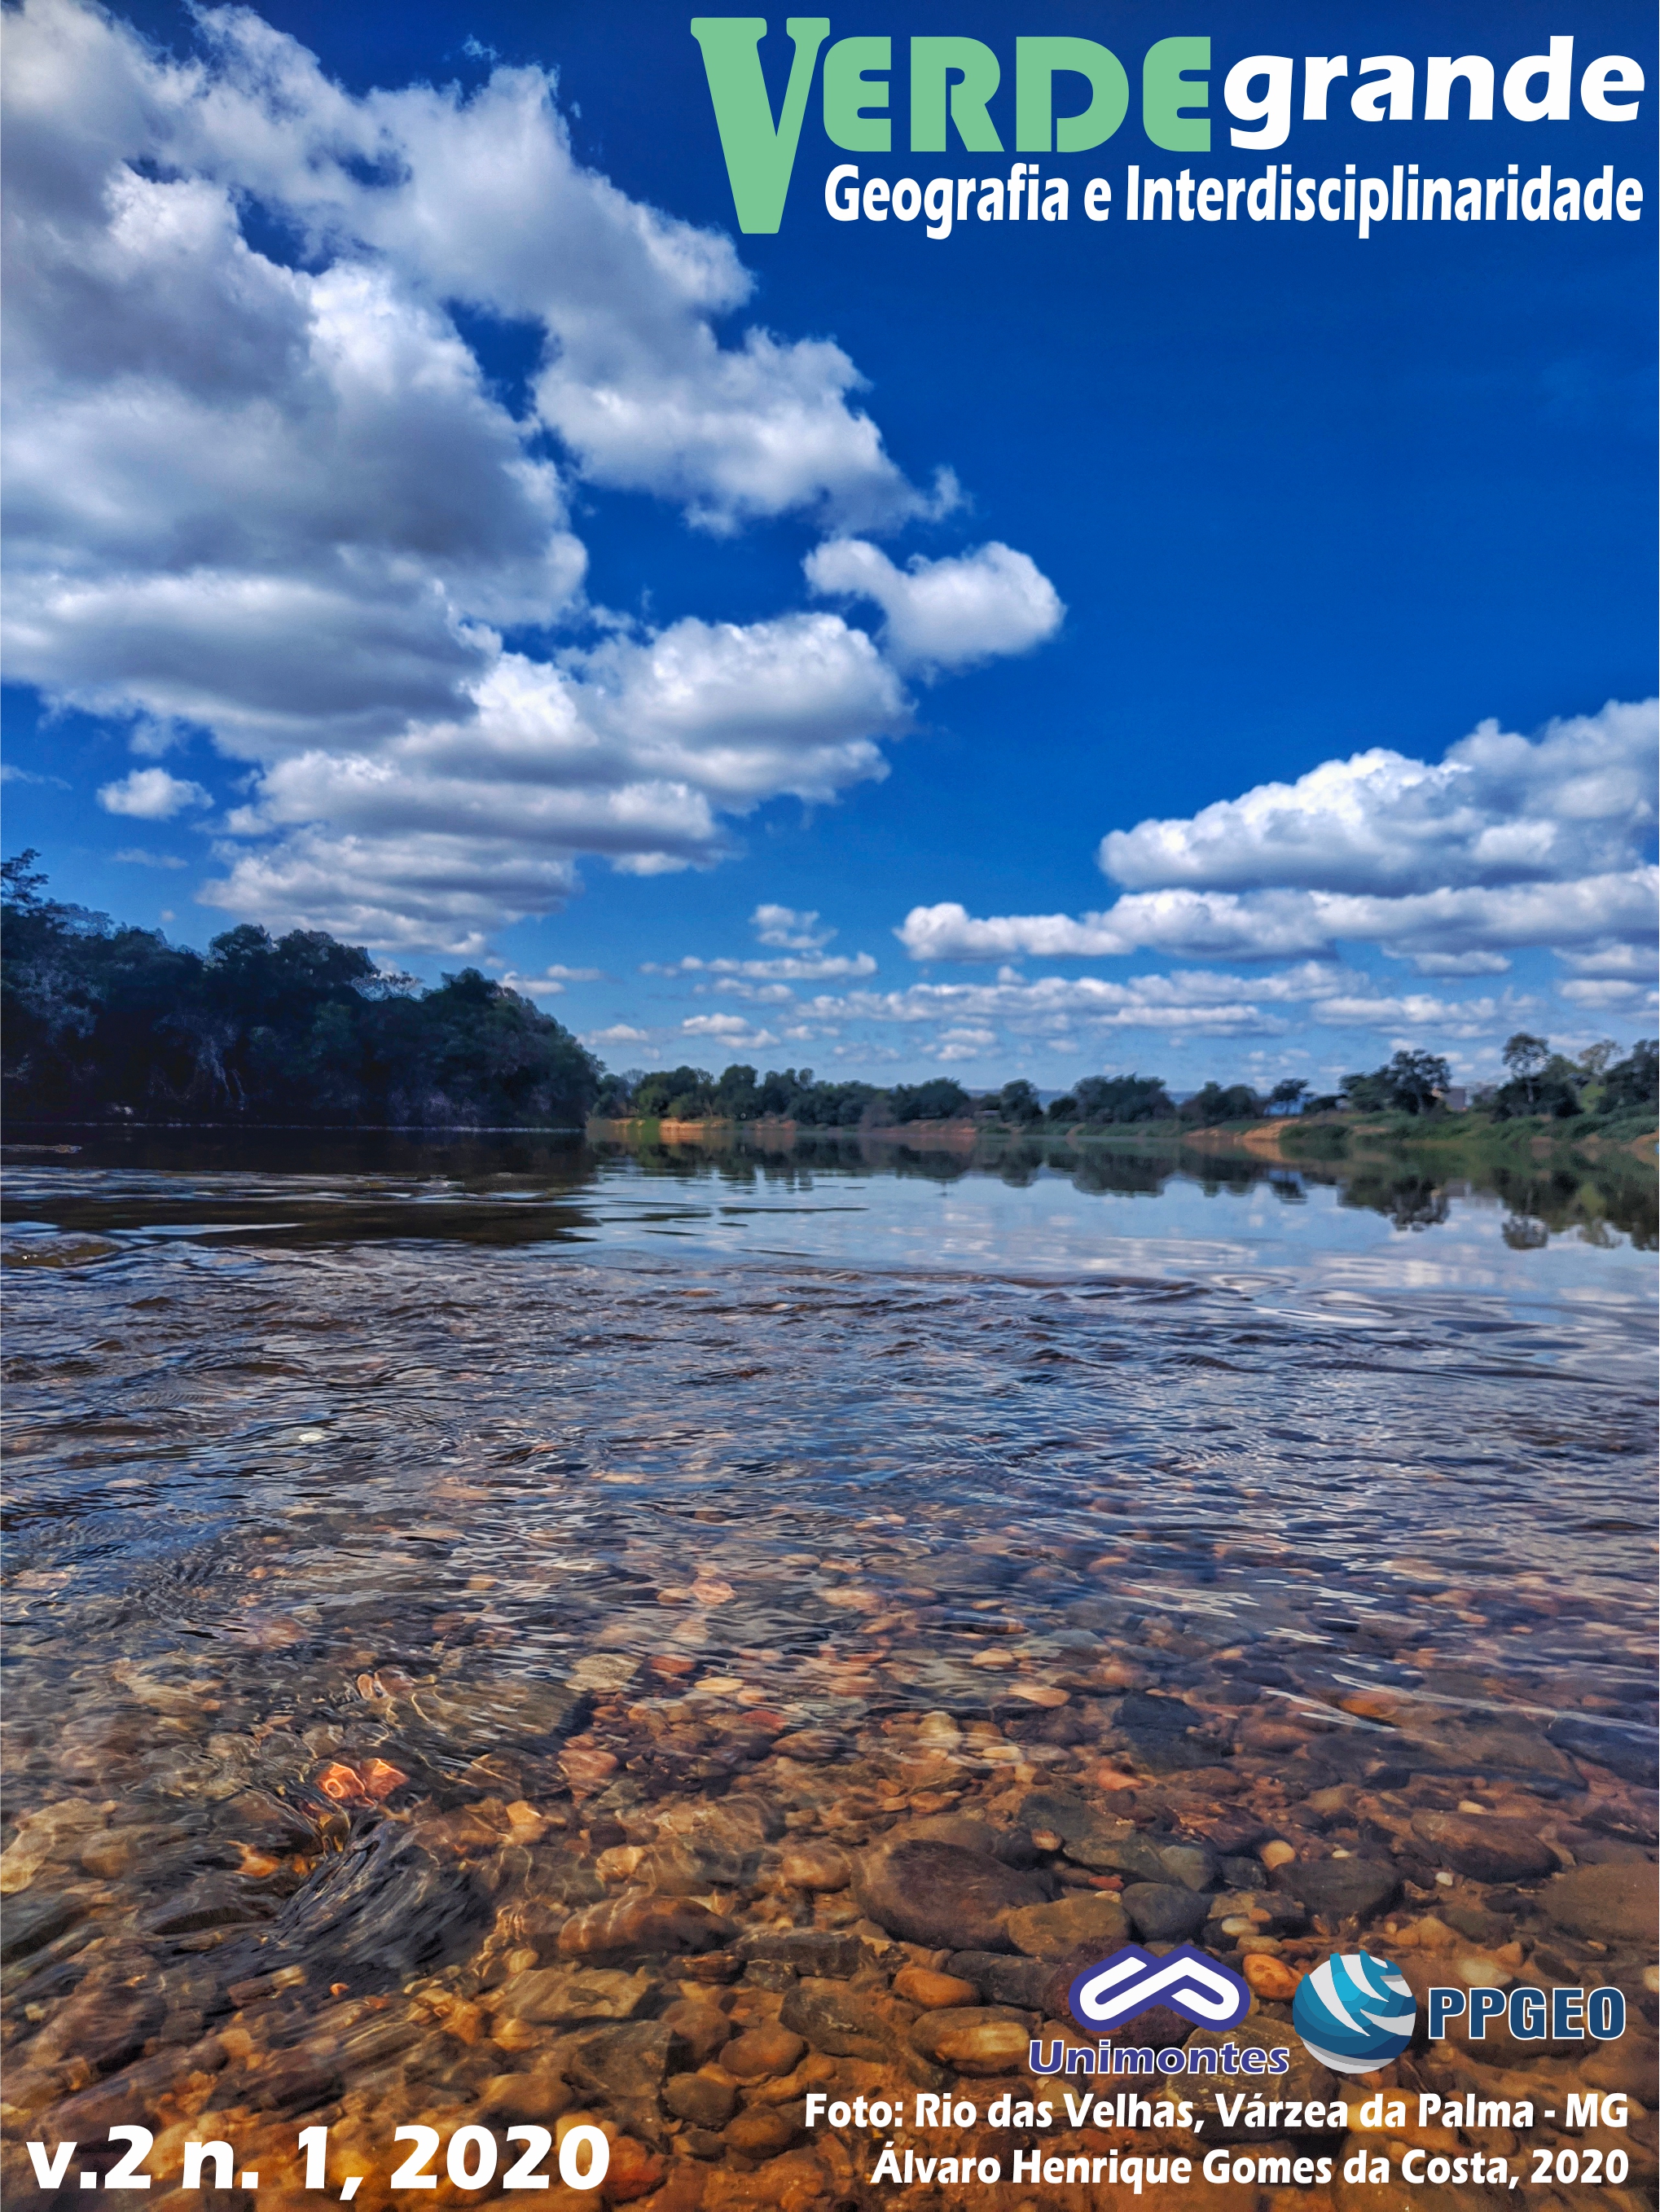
{"type": "Point", "coordinates": [1114, 1990]}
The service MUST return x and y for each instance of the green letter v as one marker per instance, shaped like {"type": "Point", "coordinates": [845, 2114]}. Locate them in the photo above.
{"type": "Point", "coordinates": [758, 158]}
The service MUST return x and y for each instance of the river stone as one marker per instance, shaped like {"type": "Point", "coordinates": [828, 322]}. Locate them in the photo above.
{"type": "Point", "coordinates": [374, 1916]}
{"type": "Point", "coordinates": [813, 1866]}
{"type": "Point", "coordinates": [1627, 1752]}
{"type": "Point", "coordinates": [630, 2068]}
{"type": "Point", "coordinates": [1485, 1849]}
{"type": "Point", "coordinates": [1339, 1889]}
{"type": "Point", "coordinates": [677, 1868]}
{"type": "Point", "coordinates": [482, 1718]}
{"type": "Point", "coordinates": [1002, 1981]}
{"type": "Point", "coordinates": [1013, 1846]}
{"type": "Point", "coordinates": [1087, 1917]}
{"type": "Point", "coordinates": [557, 1878]}
{"type": "Point", "coordinates": [537, 2099]}
{"type": "Point", "coordinates": [824, 1952]}
{"type": "Point", "coordinates": [836, 2018]}
{"type": "Point", "coordinates": [1476, 1921]}
{"type": "Point", "coordinates": [736, 1823]}
{"type": "Point", "coordinates": [939, 1894]}
{"type": "Point", "coordinates": [700, 2099]}
{"type": "Point", "coordinates": [548, 1994]}
{"type": "Point", "coordinates": [934, 1992]}
{"type": "Point", "coordinates": [1157, 1729]}
{"type": "Point", "coordinates": [761, 2052]}
{"type": "Point", "coordinates": [768, 1974]}
{"type": "Point", "coordinates": [962, 1570]}
{"type": "Point", "coordinates": [1487, 1743]}
{"type": "Point", "coordinates": [975, 2039]}
{"type": "Point", "coordinates": [292, 2082]}
{"type": "Point", "coordinates": [1232, 1833]}
{"type": "Point", "coordinates": [763, 2131]}
{"type": "Point", "coordinates": [212, 1900]}
{"type": "Point", "coordinates": [637, 1921]}
{"type": "Point", "coordinates": [1194, 1865]}
{"type": "Point", "coordinates": [103, 2027]}
{"type": "Point", "coordinates": [703, 2027]}
{"type": "Point", "coordinates": [32, 1922]}
{"type": "Point", "coordinates": [814, 1746]}
{"type": "Point", "coordinates": [1089, 1838]}
{"type": "Point", "coordinates": [268, 1823]}
{"type": "Point", "coordinates": [1165, 1912]}
{"type": "Point", "coordinates": [1376, 1758]}
{"type": "Point", "coordinates": [1610, 1904]}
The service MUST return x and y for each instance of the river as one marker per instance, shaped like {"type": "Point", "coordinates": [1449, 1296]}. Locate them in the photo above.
{"type": "Point", "coordinates": [406, 1541]}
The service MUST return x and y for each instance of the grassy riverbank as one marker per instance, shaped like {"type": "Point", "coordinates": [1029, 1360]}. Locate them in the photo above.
{"type": "Point", "coordinates": [1448, 1138]}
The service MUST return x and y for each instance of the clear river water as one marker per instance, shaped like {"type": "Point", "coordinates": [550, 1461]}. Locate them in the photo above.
{"type": "Point", "coordinates": [360, 1489]}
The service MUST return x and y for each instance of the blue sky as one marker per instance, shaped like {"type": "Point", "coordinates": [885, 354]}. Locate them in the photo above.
{"type": "Point", "coordinates": [414, 535]}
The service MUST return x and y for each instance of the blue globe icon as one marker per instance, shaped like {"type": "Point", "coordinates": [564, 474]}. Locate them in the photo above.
{"type": "Point", "coordinates": [1354, 2013]}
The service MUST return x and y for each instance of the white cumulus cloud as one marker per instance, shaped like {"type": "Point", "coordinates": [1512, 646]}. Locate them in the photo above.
{"type": "Point", "coordinates": [1509, 843]}
{"type": "Point", "coordinates": [1579, 801]}
{"type": "Point", "coordinates": [150, 794]}
{"type": "Point", "coordinates": [265, 490]}
{"type": "Point", "coordinates": [788, 929]}
{"type": "Point", "coordinates": [731, 1030]}
{"type": "Point", "coordinates": [947, 613]}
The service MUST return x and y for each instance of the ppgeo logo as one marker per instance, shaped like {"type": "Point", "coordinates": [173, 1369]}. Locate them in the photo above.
{"type": "Point", "coordinates": [1354, 2013]}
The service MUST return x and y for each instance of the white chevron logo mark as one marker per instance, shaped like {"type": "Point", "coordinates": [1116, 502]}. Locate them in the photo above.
{"type": "Point", "coordinates": [1185, 1980]}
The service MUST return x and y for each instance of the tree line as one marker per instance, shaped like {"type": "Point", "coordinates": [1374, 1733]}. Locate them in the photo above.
{"type": "Point", "coordinates": [1541, 1082]}
{"type": "Point", "coordinates": [103, 1020]}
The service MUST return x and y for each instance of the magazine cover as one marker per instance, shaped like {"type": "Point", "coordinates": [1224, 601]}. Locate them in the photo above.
{"type": "Point", "coordinates": [829, 954]}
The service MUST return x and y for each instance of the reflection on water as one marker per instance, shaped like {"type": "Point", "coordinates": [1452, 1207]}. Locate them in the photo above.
{"type": "Point", "coordinates": [407, 1543]}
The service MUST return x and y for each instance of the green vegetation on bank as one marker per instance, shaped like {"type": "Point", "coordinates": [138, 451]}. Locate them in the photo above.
{"type": "Point", "coordinates": [102, 1021]}
{"type": "Point", "coordinates": [1409, 1092]}
{"type": "Point", "coordinates": [1098, 1101]}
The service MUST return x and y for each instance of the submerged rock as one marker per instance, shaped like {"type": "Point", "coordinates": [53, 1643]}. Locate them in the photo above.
{"type": "Point", "coordinates": [1609, 1904]}
{"type": "Point", "coordinates": [1093, 1840]}
{"type": "Point", "coordinates": [835, 2017]}
{"type": "Point", "coordinates": [762, 2052]}
{"type": "Point", "coordinates": [1004, 1981]}
{"type": "Point", "coordinates": [629, 2067]}
{"type": "Point", "coordinates": [1157, 1729]}
{"type": "Point", "coordinates": [975, 2039]}
{"type": "Point", "coordinates": [549, 1993]}
{"type": "Point", "coordinates": [1627, 1752]}
{"type": "Point", "coordinates": [702, 2026]}
{"type": "Point", "coordinates": [934, 1992]}
{"type": "Point", "coordinates": [1089, 1918]}
{"type": "Point", "coordinates": [1485, 1849]}
{"type": "Point", "coordinates": [638, 1921]}
{"type": "Point", "coordinates": [1165, 1912]}
{"type": "Point", "coordinates": [700, 2099]}
{"type": "Point", "coordinates": [939, 1894]}
{"type": "Point", "coordinates": [813, 1866]}
{"type": "Point", "coordinates": [821, 1950]}
{"type": "Point", "coordinates": [374, 1916]}
{"type": "Point", "coordinates": [1339, 1889]}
